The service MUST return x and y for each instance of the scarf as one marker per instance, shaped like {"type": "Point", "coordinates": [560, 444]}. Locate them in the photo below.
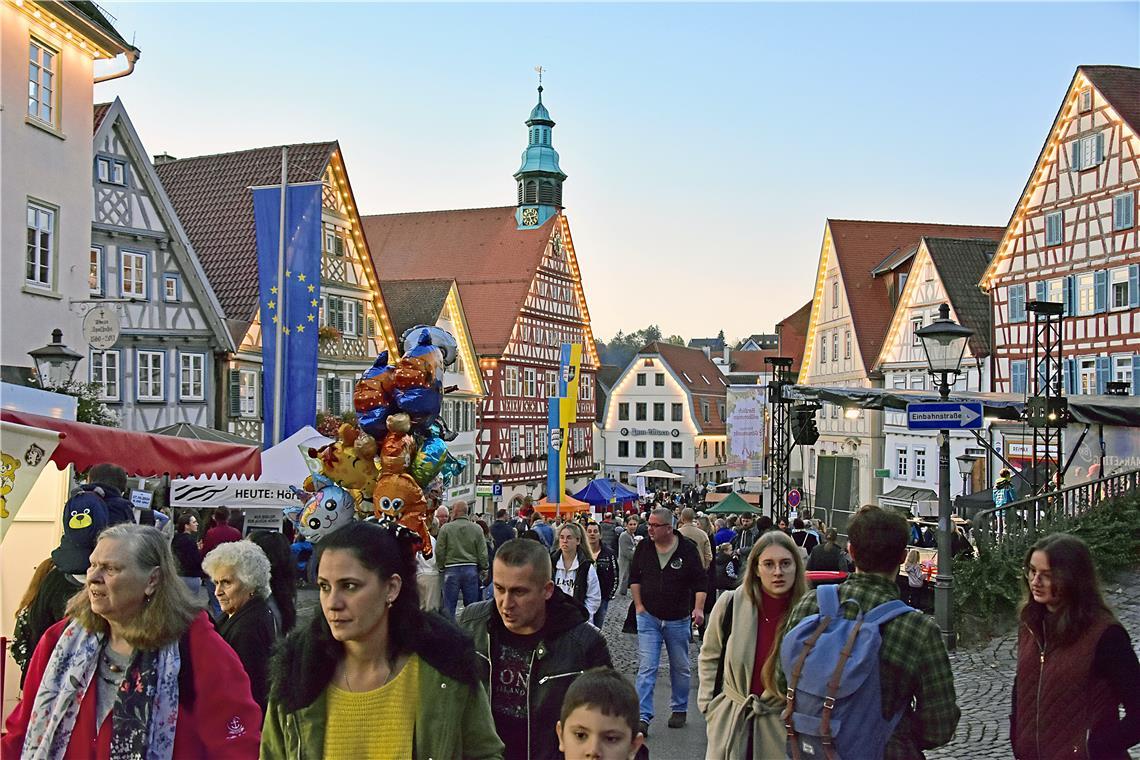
{"type": "Point", "coordinates": [143, 718]}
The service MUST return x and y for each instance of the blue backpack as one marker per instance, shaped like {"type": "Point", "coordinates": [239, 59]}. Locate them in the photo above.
{"type": "Point", "coordinates": [835, 708]}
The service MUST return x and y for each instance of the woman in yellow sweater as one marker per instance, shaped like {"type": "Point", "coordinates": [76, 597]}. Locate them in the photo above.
{"type": "Point", "coordinates": [374, 677]}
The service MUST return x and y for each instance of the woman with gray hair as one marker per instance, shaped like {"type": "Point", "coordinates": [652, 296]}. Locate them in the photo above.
{"type": "Point", "coordinates": [240, 572]}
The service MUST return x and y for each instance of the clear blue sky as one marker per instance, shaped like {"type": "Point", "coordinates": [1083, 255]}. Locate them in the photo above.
{"type": "Point", "coordinates": [705, 144]}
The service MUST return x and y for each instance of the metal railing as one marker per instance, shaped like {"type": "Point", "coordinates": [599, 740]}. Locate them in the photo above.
{"type": "Point", "coordinates": [1018, 517]}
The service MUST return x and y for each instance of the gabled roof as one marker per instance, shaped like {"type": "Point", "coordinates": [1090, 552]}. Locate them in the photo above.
{"type": "Point", "coordinates": [697, 373]}
{"type": "Point", "coordinates": [793, 330]}
{"type": "Point", "coordinates": [895, 259]}
{"type": "Point", "coordinates": [751, 361]}
{"type": "Point", "coordinates": [213, 200]}
{"type": "Point", "coordinates": [92, 13]}
{"type": "Point", "coordinates": [491, 260]}
{"type": "Point", "coordinates": [859, 247]}
{"type": "Point", "coordinates": [414, 302]}
{"type": "Point", "coordinates": [607, 375]}
{"type": "Point", "coordinates": [713, 344]}
{"type": "Point", "coordinates": [960, 263]}
{"type": "Point", "coordinates": [760, 338]}
{"type": "Point", "coordinates": [181, 246]}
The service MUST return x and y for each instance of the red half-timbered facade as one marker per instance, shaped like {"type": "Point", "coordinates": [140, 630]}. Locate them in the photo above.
{"type": "Point", "coordinates": [522, 292]}
{"type": "Point", "coordinates": [1072, 239]}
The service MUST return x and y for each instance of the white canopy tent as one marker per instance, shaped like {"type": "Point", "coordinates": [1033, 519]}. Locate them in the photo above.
{"type": "Point", "coordinates": [660, 474]}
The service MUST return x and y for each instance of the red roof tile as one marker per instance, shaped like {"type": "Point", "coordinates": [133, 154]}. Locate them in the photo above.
{"type": "Point", "coordinates": [793, 330]}
{"type": "Point", "coordinates": [859, 247]}
{"type": "Point", "coordinates": [1120, 86]}
{"type": "Point", "coordinates": [752, 361]}
{"type": "Point", "coordinates": [491, 260]}
{"type": "Point", "coordinates": [703, 379]}
{"type": "Point", "coordinates": [211, 195]}
{"type": "Point", "coordinates": [101, 110]}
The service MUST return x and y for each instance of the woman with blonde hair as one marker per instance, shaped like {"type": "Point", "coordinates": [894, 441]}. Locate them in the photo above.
{"type": "Point", "coordinates": [737, 662]}
{"type": "Point", "coordinates": [135, 669]}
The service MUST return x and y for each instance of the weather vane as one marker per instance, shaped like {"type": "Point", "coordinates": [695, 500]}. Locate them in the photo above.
{"type": "Point", "coordinates": [540, 71]}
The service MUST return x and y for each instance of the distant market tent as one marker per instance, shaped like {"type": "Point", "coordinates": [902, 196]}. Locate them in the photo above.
{"type": "Point", "coordinates": [200, 433]}
{"type": "Point", "coordinates": [568, 506]}
{"type": "Point", "coordinates": [602, 491]}
{"type": "Point", "coordinates": [734, 505]}
{"type": "Point", "coordinates": [657, 474]}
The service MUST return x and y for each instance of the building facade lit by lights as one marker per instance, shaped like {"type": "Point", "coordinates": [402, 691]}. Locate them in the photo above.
{"type": "Point", "coordinates": [49, 52]}
{"type": "Point", "coordinates": [212, 198]}
{"type": "Point", "coordinates": [517, 272]}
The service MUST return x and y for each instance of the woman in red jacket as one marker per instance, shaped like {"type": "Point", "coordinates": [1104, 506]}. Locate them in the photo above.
{"type": "Point", "coordinates": [135, 669]}
{"type": "Point", "coordinates": [1075, 664]}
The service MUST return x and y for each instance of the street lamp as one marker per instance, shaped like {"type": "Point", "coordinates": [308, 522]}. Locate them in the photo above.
{"type": "Point", "coordinates": [966, 468]}
{"type": "Point", "coordinates": [944, 342]}
{"type": "Point", "coordinates": [55, 363]}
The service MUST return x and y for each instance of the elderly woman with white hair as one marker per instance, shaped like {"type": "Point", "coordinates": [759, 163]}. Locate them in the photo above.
{"type": "Point", "coordinates": [240, 572]}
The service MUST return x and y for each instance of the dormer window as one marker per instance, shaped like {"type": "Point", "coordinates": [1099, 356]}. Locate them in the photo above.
{"type": "Point", "coordinates": [1085, 100]}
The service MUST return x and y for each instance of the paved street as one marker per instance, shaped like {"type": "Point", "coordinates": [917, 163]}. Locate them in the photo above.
{"type": "Point", "coordinates": [983, 678]}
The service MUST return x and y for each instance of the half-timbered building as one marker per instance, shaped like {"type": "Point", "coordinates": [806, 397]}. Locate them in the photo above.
{"type": "Point", "coordinates": [944, 270]}
{"type": "Point", "coordinates": [161, 371]}
{"type": "Point", "coordinates": [517, 272]}
{"type": "Point", "coordinates": [863, 266]}
{"type": "Point", "coordinates": [213, 199]}
{"type": "Point", "coordinates": [1072, 239]}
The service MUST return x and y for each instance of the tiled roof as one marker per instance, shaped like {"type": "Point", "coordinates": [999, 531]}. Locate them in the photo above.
{"type": "Point", "coordinates": [895, 259]}
{"type": "Point", "coordinates": [859, 247]}
{"type": "Point", "coordinates": [751, 361]}
{"type": "Point", "coordinates": [608, 374]}
{"type": "Point", "coordinates": [95, 15]}
{"type": "Point", "coordinates": [1120, 86]}
{"type": "Point", "coordinates": [792, 330]}
{"type": "Point", "coordinates": [700, 376]}
{"type": "Point", "coordinates": [101, 110]}
{"type": "Point", "coordinates": [491, 260]}
{"type": "Point", "coordinates": [414, 302]}
{"type": "Point", "coordinates": [212, 197]}
{"type": "Point", "coordinates": [714, 344]}
{"type": "Point", "coordinates": [760, 338]}
{"type": "Point", "coordinates": [960, 263]}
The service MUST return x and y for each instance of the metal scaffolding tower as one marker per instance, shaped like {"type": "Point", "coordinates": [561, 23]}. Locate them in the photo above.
{"type": "Point", "coordinates": [1047, 410]}
{"type": "Point", "coordinates": [779, 434]}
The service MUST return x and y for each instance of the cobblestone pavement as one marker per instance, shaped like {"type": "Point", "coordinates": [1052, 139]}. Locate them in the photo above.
{"type": "Point", "coordinates": [983, 677]}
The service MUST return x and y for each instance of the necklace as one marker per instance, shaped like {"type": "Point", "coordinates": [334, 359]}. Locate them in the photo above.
{"type": "Point", "coordinates": [387, 677]}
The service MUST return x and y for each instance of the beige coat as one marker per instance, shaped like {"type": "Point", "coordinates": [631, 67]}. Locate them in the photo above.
{"type": "Point", "coordinates": [701, 539]}
{"type": "Point", "coordinates": [728, 714]}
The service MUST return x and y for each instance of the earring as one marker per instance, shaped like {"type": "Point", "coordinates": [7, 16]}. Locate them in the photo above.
{"type": "Point", "coordinates": [391, 602]}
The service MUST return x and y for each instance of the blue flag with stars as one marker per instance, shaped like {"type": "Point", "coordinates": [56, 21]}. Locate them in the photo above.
{"type": "Point", "coordinates": [293, 309]}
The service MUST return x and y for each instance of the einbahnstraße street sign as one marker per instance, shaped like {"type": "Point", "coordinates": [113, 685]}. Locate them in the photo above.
{"type": "Point", "coordinates": [963, 415]}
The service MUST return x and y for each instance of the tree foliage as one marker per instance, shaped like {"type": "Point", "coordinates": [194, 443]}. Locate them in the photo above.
{"type": "Point", "coordinates": [621, 349]}
{"type": "Point", "coordinates": [90, 409]}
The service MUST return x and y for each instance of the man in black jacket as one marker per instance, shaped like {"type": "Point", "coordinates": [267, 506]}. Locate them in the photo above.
{"type": "Point", "coordinates": [668, 583]}
{"type": "Point", "coordinates": [535, 640]}
{"type": "Point", "coordinates": [501, 530]}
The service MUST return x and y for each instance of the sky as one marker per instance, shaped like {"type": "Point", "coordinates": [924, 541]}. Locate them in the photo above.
{"type": "Point", "coordinates": [706, 145]}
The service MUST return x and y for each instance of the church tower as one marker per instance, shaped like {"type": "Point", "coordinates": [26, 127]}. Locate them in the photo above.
{"type": "Point", "coordinates": [539, 178]}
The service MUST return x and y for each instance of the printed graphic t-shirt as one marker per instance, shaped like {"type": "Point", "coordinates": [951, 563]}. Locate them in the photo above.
{"type": "Point", "coordinates": [510, 684]}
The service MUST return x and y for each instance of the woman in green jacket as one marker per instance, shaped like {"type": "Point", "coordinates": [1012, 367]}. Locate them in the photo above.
{"type": "Point", "coordinates": [374, 676]}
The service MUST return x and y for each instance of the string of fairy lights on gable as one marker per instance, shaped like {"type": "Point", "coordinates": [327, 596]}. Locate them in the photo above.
{"type": "Point", "coordinates": [462, 339]}
{"type": "Point", "coordinates": [572, 259]}
{"type": "Point", "coordinates": [816, 304]}
{"type": "Point", "coordinates": [1069, 109]}
{"type": "Point", "coordinates": [48, 25]}
{"type": "Point", "coordinates": [344, 196]}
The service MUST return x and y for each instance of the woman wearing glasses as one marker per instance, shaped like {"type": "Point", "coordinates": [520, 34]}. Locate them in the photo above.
{"type": "Point", "coordinates": [737, 662]}
{"type": "Point", "coordinates": [1075, 663]}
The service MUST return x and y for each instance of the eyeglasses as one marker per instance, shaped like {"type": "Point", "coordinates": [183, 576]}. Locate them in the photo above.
{"type": "Point", "coordinates": [657, 525]}
{"type": "Point", "coordinates": [1031, 573]}
{"type": "Point", "coordinates": [768, 566]}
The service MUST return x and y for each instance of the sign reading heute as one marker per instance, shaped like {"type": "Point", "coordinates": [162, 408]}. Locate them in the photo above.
{"type": "Point", "coordinates": [101, 327]}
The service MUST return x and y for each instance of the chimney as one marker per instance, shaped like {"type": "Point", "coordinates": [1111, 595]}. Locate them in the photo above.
{"type": "Point", "coordinates": [708, 352]}
{"type": "Point", "coordinates": [727, 354]}
{"type": "Point", "coordinates": [163, 158]}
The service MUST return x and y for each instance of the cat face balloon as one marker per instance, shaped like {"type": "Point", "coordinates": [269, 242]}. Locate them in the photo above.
{"type": "Point", "coordinates": [329, 508]}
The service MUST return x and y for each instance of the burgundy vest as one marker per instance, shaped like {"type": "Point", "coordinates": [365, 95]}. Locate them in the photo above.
{"type": "Point", "coordinates": [1058, 697]}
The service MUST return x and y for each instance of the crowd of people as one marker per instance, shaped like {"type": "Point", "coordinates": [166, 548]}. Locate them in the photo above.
{"type": "Point", "coordinates": [121, 660]}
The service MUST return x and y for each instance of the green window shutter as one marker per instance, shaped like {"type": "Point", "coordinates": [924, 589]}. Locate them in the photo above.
{"type": "Point", "coordinates": [235, 393]}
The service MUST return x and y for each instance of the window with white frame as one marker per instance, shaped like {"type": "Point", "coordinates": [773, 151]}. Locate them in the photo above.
{"type": "Point", "coordinates": [835, 294]}
{"type": "Point", "coordinates": [1054, 228]}
{"type": "Point", "coordinates": [918, 381]}
{"type": "Point", "coordinates": [1087, 376]}
{"type": "Point", "coordinates": [95, 271]}
{"type": "Point", "coordinates": [149, 376]}
{"type": "Point", "coordinates": [551, 383]}
{"type": "Point", "coordinates": [639, 412]}
{"type": "Point", "coordinates": [41, 246]}
{"type": "Point", "coordinates": [351, 311]}
{"type": "Point", "coordinates": [623, 410]}
{"type": "Point", "coordinates": [658, 411]}
{"type": "Point", "coordinates": [530, 449]}
{"type": "Point", "coordinates": [510, 381]}
{"type": "Point", "coordinates": [1122, 368]}
{"type": "Point", "coordinates": [104, 374]}
{"type": "Point", "coordinates": [676, 450]}
{"type": "Point", "coordinates": [1091, 151]}
{"type": "Point", "coordinates": [42, 66]}
{"type": "Point", "coordinates": [111, 171]}
{"type": "Point", "coordinates": [530, 380]}
{"type": "Point", "coordinates": [1118, 288]}
{"type": "Point", "coordinates": [639, 449]}
{"type": "Point", "coordinates": [640, 379]}
{"type": "Point", "coordinates": [678, 412]}
{"type": "Point", "coordinates": [247, 392]}
{"type": "Point", "coordinates": [823, 349]}
{"type": "Point", "coordinates": [834, 345]}
{"type": "Point", "coordinates": [847, 345]}
{"type": "Point", "coordinates": [516, 441]}
{"type": "Point", "coordinates": [1123, 211]}
{"type": "Point", "coordinates": [171, 288]}
{"type": "Point", "coordinates": [1055, 291]}
{"type": "Point", "coordinates": [346, 386]}
{"type": "Point", "coordinates": [321, 394]}
{"type": "Point", "coordinates": [1086, 293]}
{"type": "Point", "coordinates": [920, 464]}
{"type": "Point", "coordinates": [132, 274]}
{"type": "Point", "coordinates": [623, 449]}
{"type": "Point", "coordinates": [586, 391]}
{"type": "Point", "coordinates": [192, 377]}
{"type": "Point", "coordinates": [659, 379]}
{"type": "Point", "coordinates": [1085, 103]}
{"type": "Point", "coordinates": [902, 462]}
{"type": "Point", "coordinates": [915, 326]}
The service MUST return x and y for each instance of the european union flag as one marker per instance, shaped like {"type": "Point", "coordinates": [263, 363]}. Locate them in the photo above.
{"type": "Point", "coordinates": [292, 309]}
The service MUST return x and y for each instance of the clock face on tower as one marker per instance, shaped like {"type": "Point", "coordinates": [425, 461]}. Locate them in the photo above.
{"type": "Point", "coordinates": [530, 216]}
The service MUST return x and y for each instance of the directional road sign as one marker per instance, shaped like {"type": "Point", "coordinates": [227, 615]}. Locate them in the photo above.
{"type": "Point", "coordinates": [964, 415]}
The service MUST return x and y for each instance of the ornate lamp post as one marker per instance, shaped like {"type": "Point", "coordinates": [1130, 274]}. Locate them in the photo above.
{"type": "Point", "coordinates": [965, 468]}
{"type": "Point", "coordinates": [944, 342]}
{"type": "Point", "coordinates": [55, 363]}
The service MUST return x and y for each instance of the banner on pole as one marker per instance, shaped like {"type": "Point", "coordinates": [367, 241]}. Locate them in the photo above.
{"type": "Point", "coordinates": [562, 410]}
{"type": "Point", "coordinates": [745, 428]}
{"type": "Point", "coordinates": [24, 451]}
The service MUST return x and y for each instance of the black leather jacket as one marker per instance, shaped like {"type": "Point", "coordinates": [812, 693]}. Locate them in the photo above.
{"type": "Point", "coordinates": [569, 646]}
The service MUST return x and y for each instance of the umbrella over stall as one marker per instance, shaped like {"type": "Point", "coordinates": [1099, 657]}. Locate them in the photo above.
{"type": "Point", "coordinates": [733, 504]}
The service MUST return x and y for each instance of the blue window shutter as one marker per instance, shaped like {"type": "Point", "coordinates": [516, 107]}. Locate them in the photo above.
{"type": "Point", "coordinates": [1071, 385]}
{"type": "Point", "coordinates": [1134, 285]}
{"type": "Point", "coordinates": [1070, 291]}
{"type": "Point", "coordinates": [1100, 290]}
{"type": "Point", "coordinates": [1103, 372]}
{"type": "Point", "coordinates": [1042, 290]}
{"type": "Point", "coordinates": [1017, 371]}
{"type": "Point", "coordinates": [1075, 161]}
{"type": "Point", "coordinates": [1136, 374]}
{"type": "Point", "coordinates": [1099, 148]}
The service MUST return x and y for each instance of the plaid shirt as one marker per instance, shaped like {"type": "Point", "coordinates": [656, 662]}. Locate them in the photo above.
{"type": "Point", "coordinates": [913, 666]}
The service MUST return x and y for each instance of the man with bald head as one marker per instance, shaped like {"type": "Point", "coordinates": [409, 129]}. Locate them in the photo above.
{"type": "Point", "coordinates": [461, 554]}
